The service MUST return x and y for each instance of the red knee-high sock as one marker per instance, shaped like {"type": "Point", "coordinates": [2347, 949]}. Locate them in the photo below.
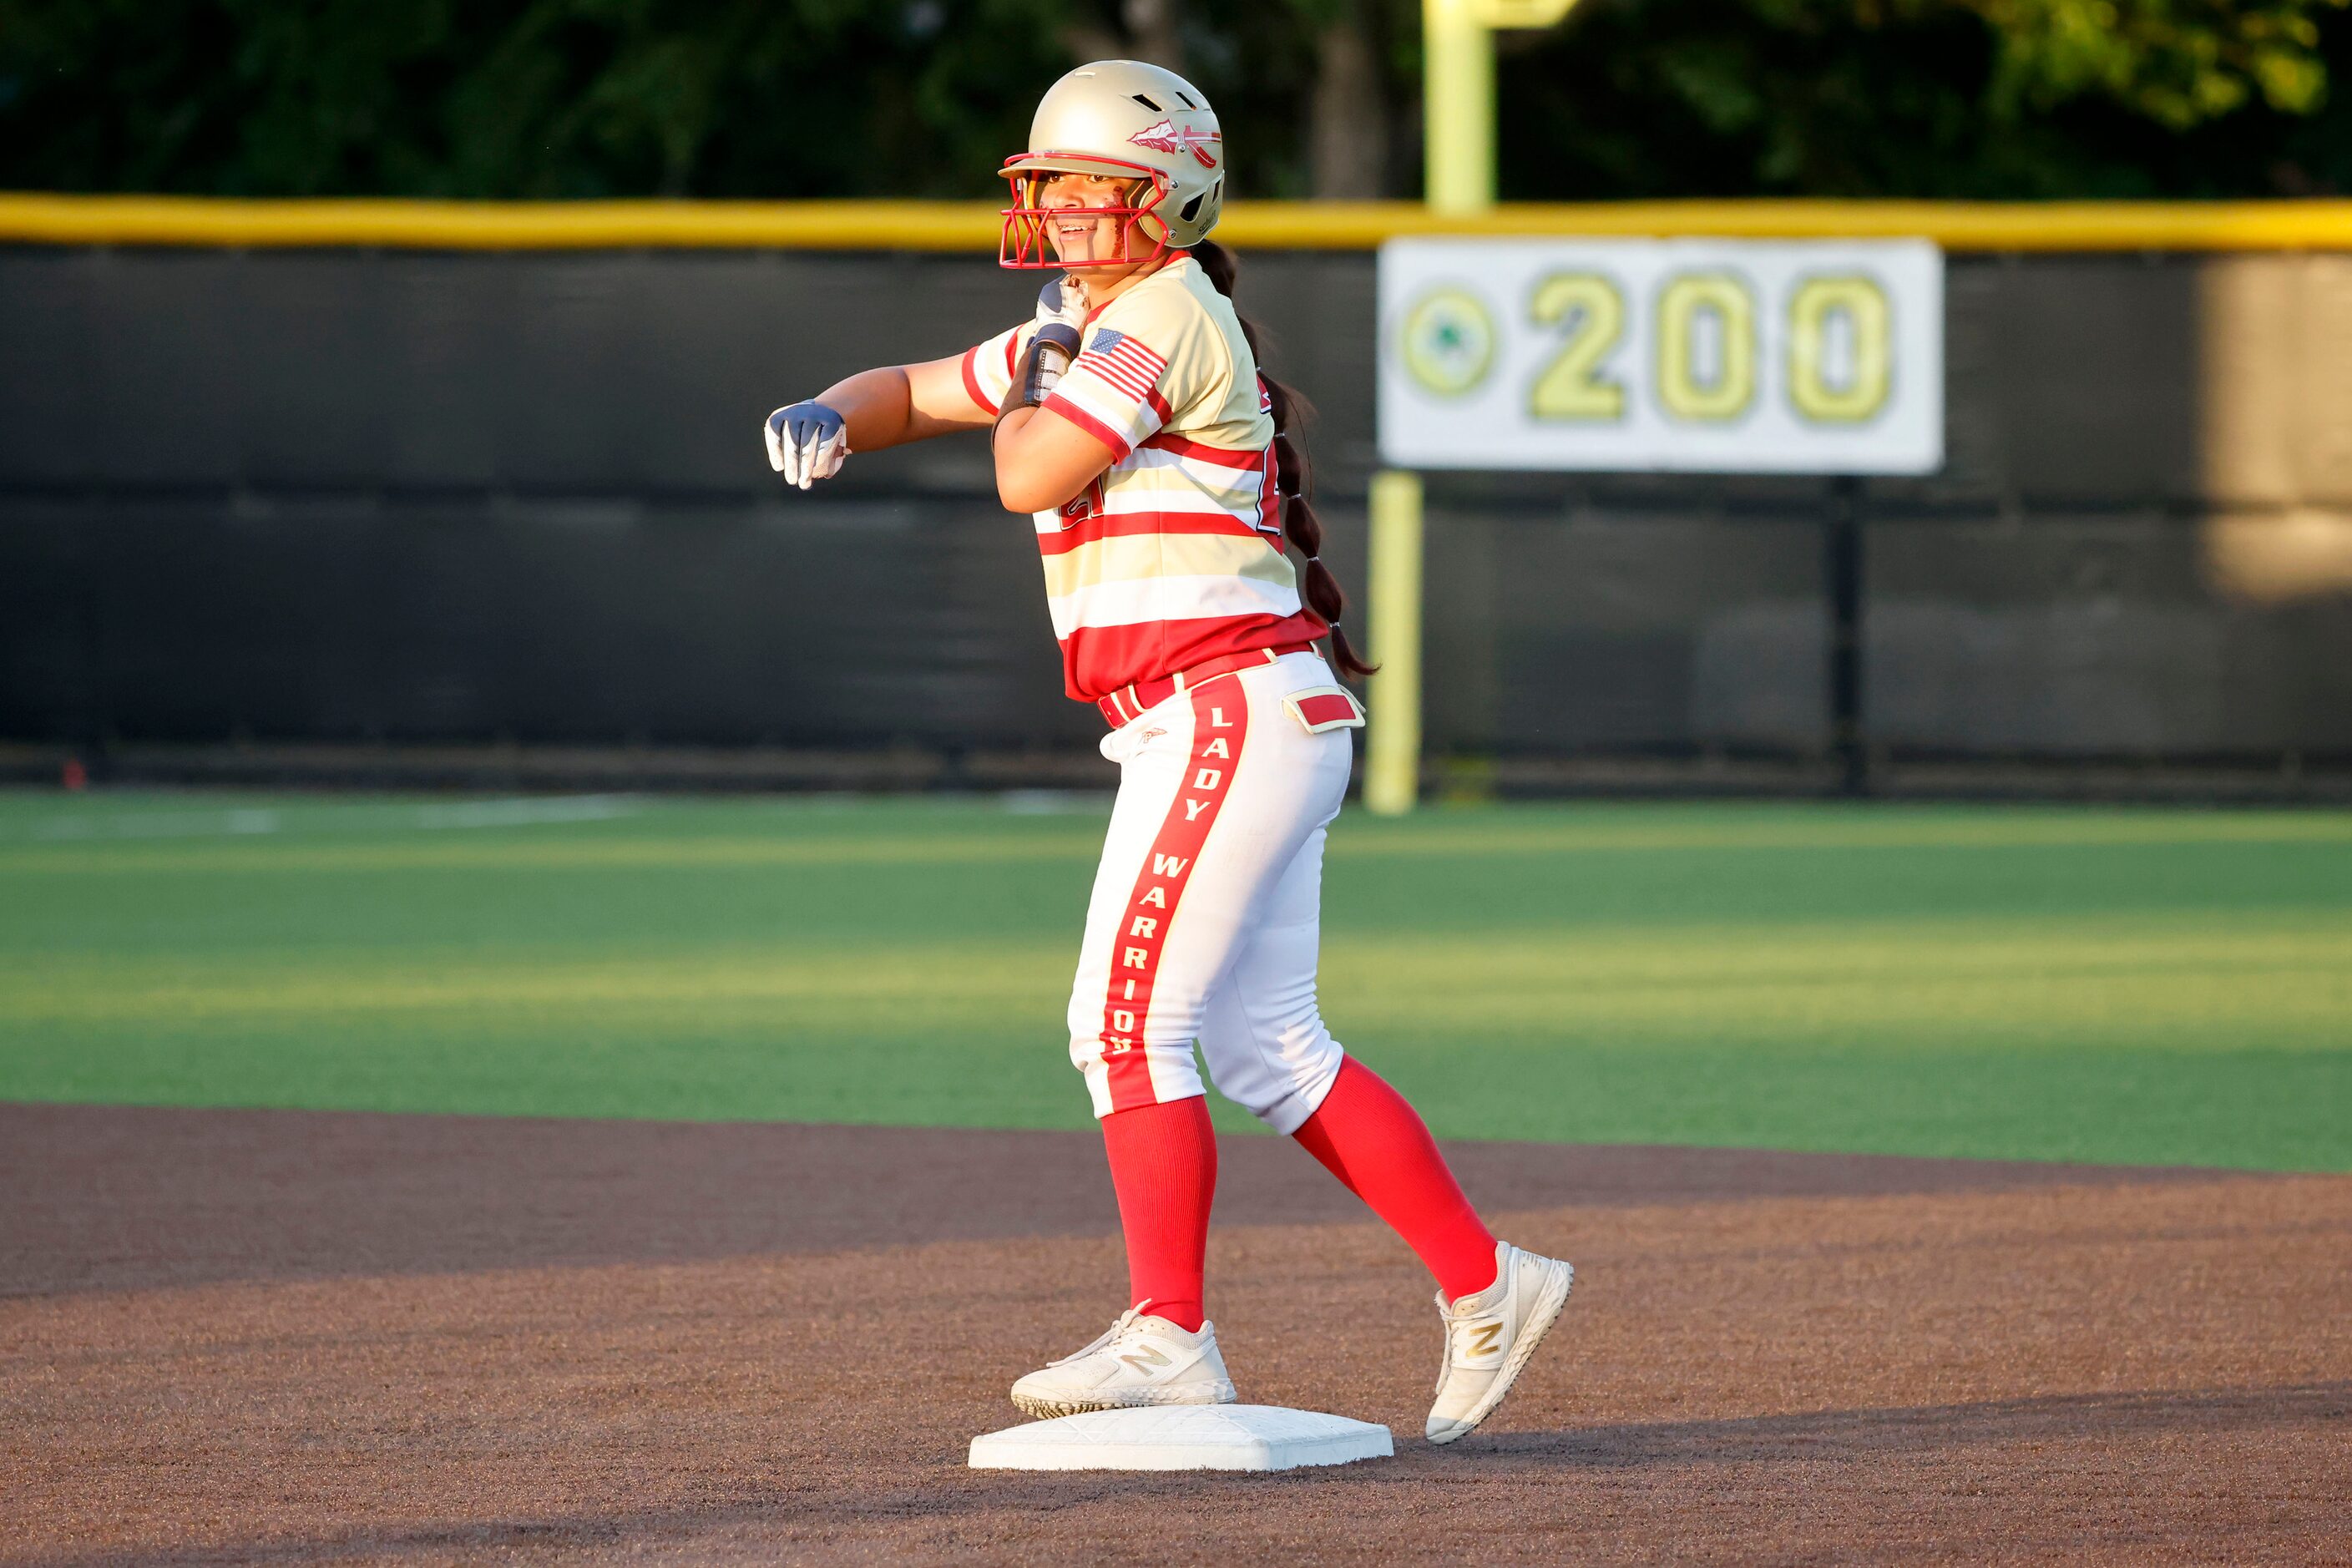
{"type": "Point", "coordinates": [1163, 1160]}
{"type": "Point", "coordinates": [1378, 1146]}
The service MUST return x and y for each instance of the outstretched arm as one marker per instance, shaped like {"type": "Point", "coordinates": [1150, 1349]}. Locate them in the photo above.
{"type": "Point", "coordinates": [888, 406]}
{"type": "Point", "coordinates": [902, 403]}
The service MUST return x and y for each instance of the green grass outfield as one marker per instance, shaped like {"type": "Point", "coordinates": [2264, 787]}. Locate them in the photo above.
{"type": "Point", "coordinates": [2126, 986]}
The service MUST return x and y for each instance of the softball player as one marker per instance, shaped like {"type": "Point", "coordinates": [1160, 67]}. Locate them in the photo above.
{"type": "Point", "coordinates": [1129, 419]}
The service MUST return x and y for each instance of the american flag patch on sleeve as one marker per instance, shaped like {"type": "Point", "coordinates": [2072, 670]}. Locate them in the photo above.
{"type": "Point", "coordinates": [1122, 362]}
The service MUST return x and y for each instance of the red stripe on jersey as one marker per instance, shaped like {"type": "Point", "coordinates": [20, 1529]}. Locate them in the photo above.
{"type": "Point", "coordinates": [1100, 660]}
{"type": "Point", "coordinates": [1219, 726]}
{"type": "Point", "coordinates": [1223, 456]}
{"type": "Point", "coordinates": [1125, 524]}
{"type": "Point", "coordinates": [972, 380]}
{"type": "Point", "coordinates": [1056, 404]}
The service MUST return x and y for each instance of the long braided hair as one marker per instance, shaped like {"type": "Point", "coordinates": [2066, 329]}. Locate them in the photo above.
{"type": "Point", "coordinates": [1294, 475]}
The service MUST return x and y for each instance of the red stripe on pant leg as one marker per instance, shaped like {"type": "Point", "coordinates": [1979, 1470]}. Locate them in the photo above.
{"type": "Point", "coordinates": [1220, 724]}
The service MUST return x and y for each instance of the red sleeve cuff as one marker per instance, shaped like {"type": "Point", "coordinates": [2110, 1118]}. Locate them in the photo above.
{"type": "Point", "coordinates": [971, 381]}
{"type": "Point", "coordinates": [1056, 404]}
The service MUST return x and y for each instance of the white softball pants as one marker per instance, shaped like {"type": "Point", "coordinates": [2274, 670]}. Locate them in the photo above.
{"type": "Point", "coordinates": [1204, 922]}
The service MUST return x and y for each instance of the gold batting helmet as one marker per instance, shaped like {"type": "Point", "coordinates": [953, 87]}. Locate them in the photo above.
{"type": "Point", "coordinates": [1124, 120]}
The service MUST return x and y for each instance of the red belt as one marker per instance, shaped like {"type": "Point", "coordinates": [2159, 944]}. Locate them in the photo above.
{"type": "Point", "coordinates": [1129, 701]}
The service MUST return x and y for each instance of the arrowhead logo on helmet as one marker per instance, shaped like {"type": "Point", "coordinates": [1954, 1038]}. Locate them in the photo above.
{"type": "Point", "coordinates": [1169, 137]}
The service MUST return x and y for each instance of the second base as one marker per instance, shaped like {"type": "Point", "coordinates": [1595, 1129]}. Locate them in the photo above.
{"type": "Point", "coordinates": [1184, 1438]}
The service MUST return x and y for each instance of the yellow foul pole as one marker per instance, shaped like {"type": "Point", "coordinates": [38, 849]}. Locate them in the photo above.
{"type": "Point", "coordinates": [1392, 740]}
{"type": "Point", "coordinates": [1458, 181]}
{"type": "Point", "coordinates": [1457, 107]}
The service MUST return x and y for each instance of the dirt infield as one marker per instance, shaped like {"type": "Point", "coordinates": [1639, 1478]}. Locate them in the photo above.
{"type": "Point", "coordinates": [267, 1337]}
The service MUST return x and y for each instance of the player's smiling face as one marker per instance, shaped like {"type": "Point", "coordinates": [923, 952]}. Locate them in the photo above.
{"type": "Point", "coordinates": [1079, 239]}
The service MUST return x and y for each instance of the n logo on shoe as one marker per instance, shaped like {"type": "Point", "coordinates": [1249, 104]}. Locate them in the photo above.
{"type": "Point", "coordinates": [1484, 1337]}
{"type": "Point", "coordinates": [1148, 1359]}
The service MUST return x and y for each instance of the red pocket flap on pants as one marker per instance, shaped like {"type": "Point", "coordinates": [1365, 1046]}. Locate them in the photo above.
{"type": "Point", "coordinates": [1321, 708]}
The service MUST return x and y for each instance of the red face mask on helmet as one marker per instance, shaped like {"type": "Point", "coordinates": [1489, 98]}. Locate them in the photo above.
{"type": "Point", "coordinates": [1125, 120]}
{"type": "Point", "coordinates": [1027, 240]}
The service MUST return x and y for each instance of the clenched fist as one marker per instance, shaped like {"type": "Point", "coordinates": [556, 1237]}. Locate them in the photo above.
{"type": "Point", "coordinates": [806, 442]}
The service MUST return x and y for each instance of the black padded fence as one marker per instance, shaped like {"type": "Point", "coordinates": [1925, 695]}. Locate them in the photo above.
{"type": "Point", "coordinates": [382, 501]}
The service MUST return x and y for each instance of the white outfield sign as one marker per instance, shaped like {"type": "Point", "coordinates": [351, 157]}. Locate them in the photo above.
{"type": "Point", "coordinates": [1712, 356]}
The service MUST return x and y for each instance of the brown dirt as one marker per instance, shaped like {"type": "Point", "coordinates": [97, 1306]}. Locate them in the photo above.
{"type": "Point", "coordinates": [262, 1337]}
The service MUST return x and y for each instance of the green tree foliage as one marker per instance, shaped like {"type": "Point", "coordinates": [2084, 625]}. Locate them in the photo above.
{"type": "Point", "coordinates": [2178, 62]}
{"type": "Point", "coordinates": [518, 98]}
{"type": "Point", "coordinates": [1929, 97]}
{"type": "Point", "coordinates": [803, 98]}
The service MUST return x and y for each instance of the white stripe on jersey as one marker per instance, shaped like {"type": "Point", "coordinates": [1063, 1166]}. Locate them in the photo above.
{"type": "Point", "coordinates": [1138, 600]}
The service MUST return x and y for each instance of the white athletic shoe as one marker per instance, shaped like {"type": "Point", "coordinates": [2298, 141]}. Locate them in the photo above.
{"type": "Point", "coordinates": [1141, 1360]}
{"type": "Point", "coordinates": [1489, 1335]}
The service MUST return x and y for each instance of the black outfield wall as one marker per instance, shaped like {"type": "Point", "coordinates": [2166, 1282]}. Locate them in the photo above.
{"type": "Point", "coordinates": [367, 498]}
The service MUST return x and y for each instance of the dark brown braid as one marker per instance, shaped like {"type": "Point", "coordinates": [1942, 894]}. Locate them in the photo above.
{"type": "Point", "coordinates": [1294, 475]}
